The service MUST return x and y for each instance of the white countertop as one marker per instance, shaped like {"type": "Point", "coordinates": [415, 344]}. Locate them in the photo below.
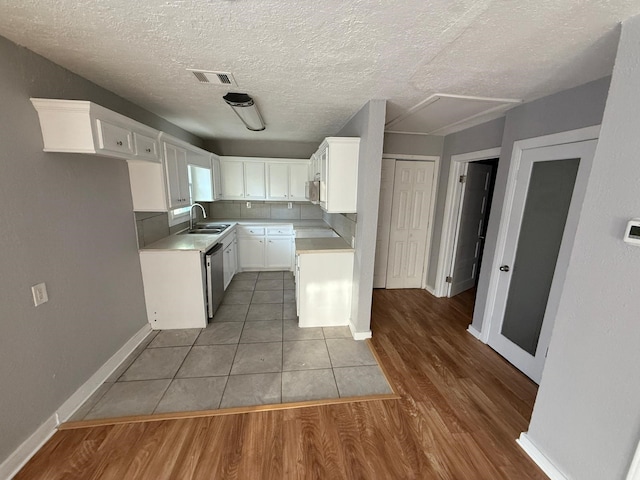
{"type": "Point", "coordinates": [203, 242]}
{"type": "Point", "coordinates": [322, 245]}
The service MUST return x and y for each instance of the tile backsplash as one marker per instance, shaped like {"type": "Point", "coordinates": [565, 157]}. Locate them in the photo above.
{"type": "Point", "coordinates": [343, 223]}
{"type": "Point", "coordinates": [263, 210]}
{"type": "Point", "coordinates": [152, 226]}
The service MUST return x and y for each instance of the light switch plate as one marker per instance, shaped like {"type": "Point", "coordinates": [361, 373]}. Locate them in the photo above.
{"type": "Point", "coordinates": [39, 292]}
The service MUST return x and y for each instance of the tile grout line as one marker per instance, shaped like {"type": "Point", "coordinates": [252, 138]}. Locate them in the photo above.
{"type": "Point", "coordinates": [177, 370]}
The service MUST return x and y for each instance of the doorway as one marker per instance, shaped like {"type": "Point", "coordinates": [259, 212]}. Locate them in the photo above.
{"type": "Point", "coordinates": [545, 195]}
{"type": "Point", "coordinates": [475, 206]}
{"type": "Point", "coordinates": [467, 208]}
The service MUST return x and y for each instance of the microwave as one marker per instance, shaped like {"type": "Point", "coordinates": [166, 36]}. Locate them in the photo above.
{"type": "Point", "coordinates": [312, 191]}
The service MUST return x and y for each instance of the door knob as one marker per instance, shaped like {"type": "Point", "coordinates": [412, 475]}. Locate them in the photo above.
{"type": "Point", "coordinates": [504, 268]}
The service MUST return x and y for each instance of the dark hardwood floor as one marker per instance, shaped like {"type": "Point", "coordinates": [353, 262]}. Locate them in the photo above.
{"type": "Point", "coordinates": [461, 408]}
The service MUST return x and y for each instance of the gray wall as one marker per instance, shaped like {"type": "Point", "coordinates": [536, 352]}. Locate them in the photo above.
{"type": "Point", "coordinates": [586, 417]}
{"type": "Point", "coordinates": [413, 144]}
{"type": "Point", "coordinates": [368, 124]}
{"type": "Point", "coordinates": [571, 109]}
{"type": "Point", "coordinates": [67, 220]}
{"type": "Point", "coordinates": [480, 137]}
{"type": "Point", "coordinates": [262, 148]}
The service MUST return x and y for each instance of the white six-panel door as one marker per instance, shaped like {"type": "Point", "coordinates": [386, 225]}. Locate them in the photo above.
{"type": "Point", "coordinates": [412, 192]}
{"type": "Point", "coordinates": [384, 223]}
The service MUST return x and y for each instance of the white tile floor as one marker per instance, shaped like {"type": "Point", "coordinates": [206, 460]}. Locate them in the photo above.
{"type": "Point", "coordinates": [253, 353]}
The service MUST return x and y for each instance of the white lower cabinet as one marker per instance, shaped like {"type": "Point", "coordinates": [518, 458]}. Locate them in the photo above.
{"type": "Point", "coordinates": [174, 288]}
{"type": "Point", "coordinates": [323, 288]}
{"type": "Point", "coordinates": [230, 258]}
{"type": "Point", "coordinates": [265, 247]}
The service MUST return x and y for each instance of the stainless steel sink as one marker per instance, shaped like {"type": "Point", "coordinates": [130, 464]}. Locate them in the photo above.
{"type": "Point", "coordinates": [205, 230]}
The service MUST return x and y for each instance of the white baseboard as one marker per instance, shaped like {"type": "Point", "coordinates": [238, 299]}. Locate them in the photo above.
{"type": "Point", "coordinates": [539, 458]}
{"type": "Point", "coordinates": [29, 447]}
{"type": "Point", "coordinates": [474, 331]}
{"type": "Point", "coordinates": [37, 439]}
{"type": "Point", "coordinates": [86, 390]}
{"type": "Point", "coordinates": [359, 335]}
{"type": "Point", "coordinates": [431, 290]}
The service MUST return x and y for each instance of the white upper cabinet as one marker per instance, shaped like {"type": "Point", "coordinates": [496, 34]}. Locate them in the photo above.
{"type": "Point", "coordinates": [286, 180]}
{"type": "Point", "coordinates": [254, 181]}
{"type": "Point", "coordinates": [298, 173]}
{"type": "Point", "coordinates": [338, 162]}
{"type": "Point", "coordinates": [278, 181]}
{"type": "Point", "coordinates": [176, 169]}
{"type": "Point", "coordinates": [217, 177]}
{"type": "Point", "coordinates": [232, 173]}
{"type": "Point", "coordinates": [79, 126]}
{"type": "Point", "coordinates": [255, 178]}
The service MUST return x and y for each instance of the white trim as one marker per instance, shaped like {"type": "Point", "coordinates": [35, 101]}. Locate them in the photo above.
{"type": "Point", "coordinates": [571, 136]}
{"type": "Point", "coordinates": [539, 458]}
{"type": "Point", "coordinates": [359, 335]}
{"type": "Point", "coordinates": [473, 331]}
{"type": "Point", "coordinates": [87, 389]}
{"type": "Point", "coordinates": [634, 469]}
{"type": "Point", "coordinates": [452, 213]}
{"type": "Point", "coordinates": [430, 289]}
{"type": "Point", "coordinates": [505, 103]}
{"type": "Point", "coordinates": [400, 132]}
{"type": "Point", "coordinates": [402, 156]}
{"type": "Point", "coordinates": [21, 455]}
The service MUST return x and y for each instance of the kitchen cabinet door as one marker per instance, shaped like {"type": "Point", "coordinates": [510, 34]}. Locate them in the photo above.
{"type": "Point", "coordinates": [217, 177]}
{"type": "Point", "coordinates": [251, 254]}
{"type": "Point", "coordinates": [278, 183]}
{"type": "Point", "coordinates": [279, 253]}
{"type": "Point", "coordinates": [298, 173]}
{"type": "Point", "coordinates": [177, 176]}
{"type": "Point", "coordinates": [232, 180]}
{"type": "Point", "coordinates": [254, 181]}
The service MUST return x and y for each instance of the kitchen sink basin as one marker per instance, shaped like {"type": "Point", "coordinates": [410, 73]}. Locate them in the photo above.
{"type": "Point", "coordinates": [205, 230]}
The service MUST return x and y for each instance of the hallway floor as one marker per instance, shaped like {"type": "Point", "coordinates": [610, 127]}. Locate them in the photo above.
{"type": "Point", "coordinates": [253, 353]}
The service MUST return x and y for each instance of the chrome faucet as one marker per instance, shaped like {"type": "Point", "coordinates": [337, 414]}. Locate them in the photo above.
{"type": "Point", "coordinates": [191, 214]}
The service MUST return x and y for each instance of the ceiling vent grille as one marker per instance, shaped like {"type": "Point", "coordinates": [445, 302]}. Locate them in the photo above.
{"type": "Point", "coordinates": [223, 79]}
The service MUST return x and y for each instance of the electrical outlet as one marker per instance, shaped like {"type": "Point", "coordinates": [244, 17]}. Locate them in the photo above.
{"type": "Point", "coordinates": [290, 205]}
{"type": "Point", "coordinates": [248, 204]}
{"type": "Point", "coordinates": [39, 292]}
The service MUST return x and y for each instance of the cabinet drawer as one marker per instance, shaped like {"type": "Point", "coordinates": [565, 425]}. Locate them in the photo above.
{"type": "Point", "coordinates": [113, 138]}
{"type": "Point", "coordinates": [145, 147]}
{"type": "Point", "coordinates": [251, 231]}
{"type": "Point", "coordinates": [281, 230]}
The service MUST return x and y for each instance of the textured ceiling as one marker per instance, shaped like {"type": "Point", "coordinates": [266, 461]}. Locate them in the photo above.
{"type": "Point", "coordinates": [311, 65]}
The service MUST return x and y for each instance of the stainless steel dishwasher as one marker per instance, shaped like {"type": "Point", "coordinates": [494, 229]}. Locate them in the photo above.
{"type": "Point", "coordinates": [215, 278]}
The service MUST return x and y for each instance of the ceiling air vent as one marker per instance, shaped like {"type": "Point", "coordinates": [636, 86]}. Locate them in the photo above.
{"type": "Point", "coordinates": [224, 79]}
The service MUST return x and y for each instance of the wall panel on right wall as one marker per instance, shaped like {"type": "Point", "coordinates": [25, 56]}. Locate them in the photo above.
{"type": "Point", "coordinates": [586, 419]}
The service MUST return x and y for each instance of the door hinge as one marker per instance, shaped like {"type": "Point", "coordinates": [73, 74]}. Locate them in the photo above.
{"type": "Point", "coordinates": [463, 178]}
{"type": "Point", "coordinates": [449, 279]}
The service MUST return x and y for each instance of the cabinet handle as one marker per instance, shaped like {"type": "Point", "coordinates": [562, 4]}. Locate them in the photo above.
{"type": "Point", "coordinates": [148, 150]}
{"type": "Point", "coordinates": [119, 143]}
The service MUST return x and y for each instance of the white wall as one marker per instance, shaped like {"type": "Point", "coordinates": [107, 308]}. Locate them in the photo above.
{"type": "Point", "coordinates": [587, 414]}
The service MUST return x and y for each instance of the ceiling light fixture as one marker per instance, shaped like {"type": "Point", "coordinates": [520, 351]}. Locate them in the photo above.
{"type": "Point", "coordinates": [246, 109]}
